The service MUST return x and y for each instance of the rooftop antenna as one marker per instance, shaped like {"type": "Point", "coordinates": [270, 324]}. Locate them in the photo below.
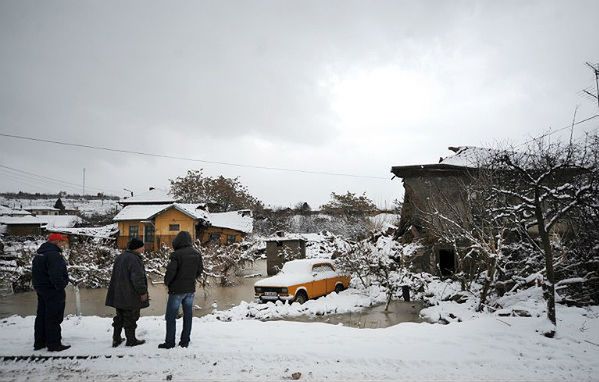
{"type": "Point", "coordinates": [595, 69]}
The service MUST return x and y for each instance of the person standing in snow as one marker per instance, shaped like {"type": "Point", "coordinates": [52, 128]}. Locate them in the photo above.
{"type": "Point", "coordinates": [50, 277]}
{"type": "Point", "coordinates": [128, 292]}
{"type": "Point", "coordinates": [184, 267]}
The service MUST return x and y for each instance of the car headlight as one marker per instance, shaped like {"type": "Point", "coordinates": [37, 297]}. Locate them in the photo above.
{"type": "Point", "coordinates": [284, 290]}
{"type": "Point", "coordinates": [258, 289]}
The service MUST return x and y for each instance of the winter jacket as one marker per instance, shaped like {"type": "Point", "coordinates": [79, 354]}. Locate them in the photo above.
{"type": "Point", "coordinates": [184, 267]}
{"type": "Point", "coordinates": [128, 283]}
{"type": "Point", "coordinates": [49, 268]}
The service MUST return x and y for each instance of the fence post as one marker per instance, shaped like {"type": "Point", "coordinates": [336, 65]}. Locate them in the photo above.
{"type": "Point", "coordinates": [77, 300]}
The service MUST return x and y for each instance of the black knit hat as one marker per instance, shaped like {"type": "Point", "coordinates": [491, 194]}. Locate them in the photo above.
{"type": "Point", "coordinates": [135, 243]}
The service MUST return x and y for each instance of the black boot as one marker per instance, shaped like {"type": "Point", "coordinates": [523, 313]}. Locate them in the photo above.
{"type": "Point", "coordinates": [59, 347]}
{"type": "Point", "coordinates": [116, 337]}
{"type": "Point", "coordinates": [131, 340]}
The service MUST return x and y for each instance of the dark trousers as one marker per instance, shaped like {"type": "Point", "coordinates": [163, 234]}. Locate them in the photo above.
{"type": "Point", "coordinates": [125, 319]}
{"type": "Point", "coordinates": [50, 313]}
{"type": "Point", "coordinates": [172, 308]}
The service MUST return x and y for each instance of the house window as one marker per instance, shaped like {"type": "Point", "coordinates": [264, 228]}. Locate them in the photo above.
{"type": "Point", "coordinates": [173, 227]}
{"type": "Point", "coordinates": [231, 239]}
{"type": "Point", "coordinates": [149, 233]}
{"type": "Point", "coordinates": [133, 231]}
{"type": "Point", "coordinates": [215, 237]}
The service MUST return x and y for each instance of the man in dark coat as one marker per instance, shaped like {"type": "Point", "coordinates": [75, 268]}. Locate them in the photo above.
{"type": "Point", "coordinates": [184, 267]}
{"type": "Point", "coordinates": [50, 277]}
{"type": "Point", "coordinates": [128, 292]}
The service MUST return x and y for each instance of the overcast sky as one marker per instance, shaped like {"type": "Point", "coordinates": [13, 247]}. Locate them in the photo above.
{"type": "Point", "coordinates": [334, 86]}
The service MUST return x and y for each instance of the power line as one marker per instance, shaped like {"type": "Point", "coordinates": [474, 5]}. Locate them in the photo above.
{"type": "Point", "coordinates": [21, 181]}
{"type": "Point", "coordinates": [47, 185]}
{"type": "Point", "coordinates": [103, 148]}
{"type": "Point", "coordinates": [558, 130]}
{"type": "Point", "coordinates": [49, 180]}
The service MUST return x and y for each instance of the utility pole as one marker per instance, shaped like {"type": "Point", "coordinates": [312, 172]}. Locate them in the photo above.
{"type": "Point", "coordinates": [83, 181]}
{"type": "Point", "coordinates": [595, 69]}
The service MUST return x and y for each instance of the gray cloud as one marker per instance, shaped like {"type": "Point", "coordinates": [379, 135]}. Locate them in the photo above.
{"type": "Point", "coordinates": [337, 86]}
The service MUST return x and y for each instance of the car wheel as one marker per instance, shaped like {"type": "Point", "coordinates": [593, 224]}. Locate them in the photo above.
{"type": "Point", "coordinates": [301, 297]}
{"type": "Point", "coordinates": [339, 288]}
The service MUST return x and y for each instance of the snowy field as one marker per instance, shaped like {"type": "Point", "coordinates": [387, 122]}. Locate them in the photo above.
{"type": "Point", "coordinates": [485, 347]}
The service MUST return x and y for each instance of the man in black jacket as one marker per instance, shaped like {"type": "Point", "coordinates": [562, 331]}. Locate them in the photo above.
{"type": "Point", "coordinates": [184, 268]}
{"type": "Point", "coordinates": [50, 277]}
{"type": "Point", "coordinates": [128, 292]}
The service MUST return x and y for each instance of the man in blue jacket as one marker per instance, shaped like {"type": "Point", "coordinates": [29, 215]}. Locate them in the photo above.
{"type": "Point", "coordinates": [50, 277]}
{"type": "Point", "coordinates": [184, 267]}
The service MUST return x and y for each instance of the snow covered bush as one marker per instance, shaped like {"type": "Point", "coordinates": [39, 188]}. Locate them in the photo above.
{"type": "Point", "coordinates": [90, 264]}
{"type": "Point", "coordinates": [224, 262]}
{"type": "Point", "coordinates": [379, 261]}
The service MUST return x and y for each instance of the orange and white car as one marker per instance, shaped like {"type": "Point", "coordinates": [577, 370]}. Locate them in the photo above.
{"type": "Point", "coordinates": [300, 280]}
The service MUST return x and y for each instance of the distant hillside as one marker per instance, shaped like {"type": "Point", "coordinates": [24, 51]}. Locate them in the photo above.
{"type": "Point", "coordinates": [87, 206]}
{"type": "Point", "coordinates": [63, 195]}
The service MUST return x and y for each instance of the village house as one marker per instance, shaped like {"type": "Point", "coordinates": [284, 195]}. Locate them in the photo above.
{"type": "Point", "coordinates": [426, 183]}
{"type": "Point", "coordinates": [442, 185]}
{"type": "Point", "coordinates": [7, 211]}
{"type": "Point", "coordinates": [29, 225]}
{"type": "Point", "coordinates": [42, 210]}
{"type": "Point", "coordinates": [20, 225]}
{"type": "Point", "coordinates": [156, 218]}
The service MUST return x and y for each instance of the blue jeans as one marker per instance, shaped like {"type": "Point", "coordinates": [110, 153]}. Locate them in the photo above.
{"type": "Point", "coordinates": [172, 308]}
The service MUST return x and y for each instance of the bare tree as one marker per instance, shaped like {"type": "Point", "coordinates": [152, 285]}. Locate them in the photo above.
{"type": "Point", "coordinates": [540, 186]}
{"type": "Point", "coordinates": [464, 217]}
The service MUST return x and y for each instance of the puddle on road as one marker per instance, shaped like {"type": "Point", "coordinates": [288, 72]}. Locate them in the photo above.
{"type": "Point", "coordinates": [92, 300]}
{"type": "Point", "coordinates": [373, 317]}
{"type": "Point", "coordinates": [92, 303]}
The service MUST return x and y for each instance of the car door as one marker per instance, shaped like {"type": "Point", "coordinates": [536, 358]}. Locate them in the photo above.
{"type": "Point", "coordinates": [331, 277]}
{"type": "Point", "coordinates": [319, 284]}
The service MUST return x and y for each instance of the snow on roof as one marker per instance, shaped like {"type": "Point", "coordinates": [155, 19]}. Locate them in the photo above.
{"type": "Point", "coordinates": [103, 232]}
{"type": "Point", "coordinates": [286, 236]}
{"type": "Point", "coordinates": [195, 210]}
{"type": "Point", "coordinates": [155, 195]}
{"type": "Point", "coordinates": [148, 211]}
{"type": "Point", "coordinates": [139, 211]}
{"type": "Point", "coordinates": [237, 220]}
{"type": "Point", "coordinates": [15, 220]}
{"type": "Point", "coordinates": [59, 221]}
{"type": "Point", "coordinates": [7, 211]}
{"type": "Point", "coordinates": [469, 156]}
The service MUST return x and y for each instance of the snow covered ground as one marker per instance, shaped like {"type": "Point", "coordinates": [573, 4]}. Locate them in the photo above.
{"type": "Point", "coordinates": [350, 300]}
{"type": "Point", "coordinates": [480, 349]}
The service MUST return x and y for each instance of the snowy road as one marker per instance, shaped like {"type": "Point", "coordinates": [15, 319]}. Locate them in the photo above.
{"type": "Point", "coordinates": [480, 349]}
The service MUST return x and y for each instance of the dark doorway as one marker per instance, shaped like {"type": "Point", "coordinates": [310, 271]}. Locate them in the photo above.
{"type": "Point", "coordinates": [447, 262]}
